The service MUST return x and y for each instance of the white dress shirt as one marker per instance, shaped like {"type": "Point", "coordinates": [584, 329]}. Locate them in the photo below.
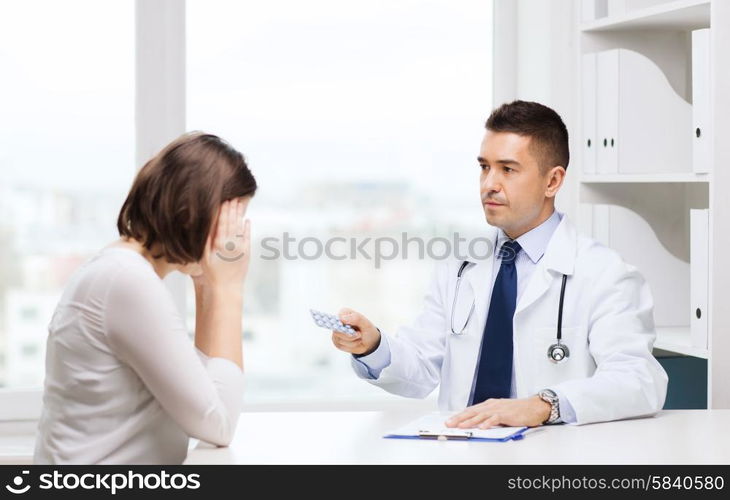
{"type": "Point", "coordinates": [124, 383]}
{"type": "Point", "coordinates": [533, 244]}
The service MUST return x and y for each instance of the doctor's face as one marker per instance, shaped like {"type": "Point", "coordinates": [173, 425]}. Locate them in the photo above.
{"type": "Point", "coordinates": [516, 194]}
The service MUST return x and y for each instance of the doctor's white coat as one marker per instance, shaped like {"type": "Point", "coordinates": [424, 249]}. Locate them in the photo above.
{"type": "Point", "coordinates": [607, 325]}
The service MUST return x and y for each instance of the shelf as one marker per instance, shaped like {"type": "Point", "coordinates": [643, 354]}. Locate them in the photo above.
{"type": "Point", "coordinates": [676, 15]}
{"type": "Point", "coordinates": [677, 339]}
{"type": "Point", "coordinates": [643, 178]}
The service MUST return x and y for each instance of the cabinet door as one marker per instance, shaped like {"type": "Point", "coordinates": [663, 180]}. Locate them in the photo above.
{"type": "Point", "coordinates": [607, 111]}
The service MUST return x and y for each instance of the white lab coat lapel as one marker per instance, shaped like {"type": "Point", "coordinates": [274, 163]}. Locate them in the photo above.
{"type": "Point", "coordinates": [559, 257]}
{"type": "Point", "coordinates": [480, 278]}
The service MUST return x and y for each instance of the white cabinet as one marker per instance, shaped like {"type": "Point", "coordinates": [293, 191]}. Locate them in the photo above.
{"type": "Point", "coordinates": [659, 78]}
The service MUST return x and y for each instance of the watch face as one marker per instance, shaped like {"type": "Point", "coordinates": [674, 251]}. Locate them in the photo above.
{"type": "Point", "coordinates": [548, 393]}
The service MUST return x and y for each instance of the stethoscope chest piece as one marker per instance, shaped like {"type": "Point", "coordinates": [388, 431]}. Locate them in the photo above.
{"type": "Point", "coordinates": [557, 353]}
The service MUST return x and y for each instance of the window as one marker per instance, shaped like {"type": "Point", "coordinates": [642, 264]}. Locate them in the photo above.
{"type": "Point", "coordinates": [358, 119]}
{"type": "Point", "coordinates": [66, 158]}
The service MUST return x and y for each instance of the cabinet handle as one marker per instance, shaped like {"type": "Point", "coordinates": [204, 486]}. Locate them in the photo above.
{"type": "Point", "coordinates": [612, 142]}
{"type": "Point", "coordinates": [589, 143]}
{"type": "Point", "coordinates": [698, 313]}
{"type": "Point", "coordinates": [605, 142]}
{"type": "Point", "coordinates": [698, 132]}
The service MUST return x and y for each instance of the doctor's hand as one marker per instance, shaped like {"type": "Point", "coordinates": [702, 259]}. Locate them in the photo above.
{"type": "Point", "coordinates": [530, 412]}
{"type": "Point", "coordinates": [366, 338]}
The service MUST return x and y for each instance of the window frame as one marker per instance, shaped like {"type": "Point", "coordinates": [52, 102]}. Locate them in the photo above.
{"type": "Point", "coordinates": [159, 118]}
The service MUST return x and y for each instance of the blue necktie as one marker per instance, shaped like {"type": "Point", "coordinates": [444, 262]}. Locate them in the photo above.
{"type": "Point", "coordinates": [494, 378]}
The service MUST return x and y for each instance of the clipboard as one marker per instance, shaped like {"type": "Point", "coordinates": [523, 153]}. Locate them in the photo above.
{"type": "Point", "coordinates": [431, 426]}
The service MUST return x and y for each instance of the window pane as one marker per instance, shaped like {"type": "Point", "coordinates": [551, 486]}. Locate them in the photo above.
{"type": "Point", "coordinates": [359, 119]}
{"type": "Point", "coordinates": [66, 158]}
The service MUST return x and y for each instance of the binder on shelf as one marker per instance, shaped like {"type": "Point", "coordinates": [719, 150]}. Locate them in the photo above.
{"type": "Point", "coordinates": [588, 10]}
{"type": "Point", "coordinates": [640, 244]}
{"type": "Point", "coordinates": [607, 113]}
{"type": "Point", "coordinates": [699, 275]}
{"type": "Point", "coordinates": [588, 95]}
{"type": "Point", "coordinates": [616, 7]}
{"type": "Point", "coordinates": [585, 219]}
{"type": "Point", "coordinates": [593, 9]}
{"type": "Point", "coordinates": [642, 123]}
{"type": "Point", "coordinates": [631, 5]}
{"type": "Point", "coordinates": [602, 224]}
{"type": "Point", "coordinates": [701, 102]}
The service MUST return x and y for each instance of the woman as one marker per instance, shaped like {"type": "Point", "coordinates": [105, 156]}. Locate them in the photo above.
{"type": "Point", "coordinates": [123, 382]}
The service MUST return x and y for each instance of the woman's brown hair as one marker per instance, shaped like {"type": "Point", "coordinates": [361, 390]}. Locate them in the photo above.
{"type": "Point", "coordinates": [175, 197]}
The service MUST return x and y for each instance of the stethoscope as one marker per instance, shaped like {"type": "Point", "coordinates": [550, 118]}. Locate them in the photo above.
{"type": "Point", "coordinates": [557, 352]}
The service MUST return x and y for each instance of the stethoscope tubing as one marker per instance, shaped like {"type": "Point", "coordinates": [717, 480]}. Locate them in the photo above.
{"type": "Point", "coordinates": [456, 295]}
{"type": "Point", "coordinates": [559, 333]}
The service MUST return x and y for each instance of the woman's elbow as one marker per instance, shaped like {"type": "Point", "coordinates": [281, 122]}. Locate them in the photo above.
{"type": "Point", "coordinates": [216, 428]}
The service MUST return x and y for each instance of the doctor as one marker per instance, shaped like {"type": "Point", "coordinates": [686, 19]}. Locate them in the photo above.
{"type": "Point", "coordinates": [490, 334]}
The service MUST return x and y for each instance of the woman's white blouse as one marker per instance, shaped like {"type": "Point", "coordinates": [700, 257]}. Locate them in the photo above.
{"type": "Point", "coordinates": [124, 383]}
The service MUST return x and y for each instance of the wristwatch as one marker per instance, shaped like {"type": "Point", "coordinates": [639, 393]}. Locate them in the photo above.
{"type": "Point", "coordinates": [549, 396]}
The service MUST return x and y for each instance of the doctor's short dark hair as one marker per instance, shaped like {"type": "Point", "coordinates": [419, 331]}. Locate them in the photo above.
{"type": "Point", "coordinates": [543, 125]}
{"type": "Point", "coordinates": [175, 198]}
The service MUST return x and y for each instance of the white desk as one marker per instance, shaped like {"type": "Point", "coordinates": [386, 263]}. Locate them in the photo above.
{"type": "Point", "coordinates": [672, 437]}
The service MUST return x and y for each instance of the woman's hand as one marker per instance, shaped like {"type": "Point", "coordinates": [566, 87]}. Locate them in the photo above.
{"type": "Point", "coordinates": [218, 290]}
{"type": "Point", "coordinates": [228, 249]}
